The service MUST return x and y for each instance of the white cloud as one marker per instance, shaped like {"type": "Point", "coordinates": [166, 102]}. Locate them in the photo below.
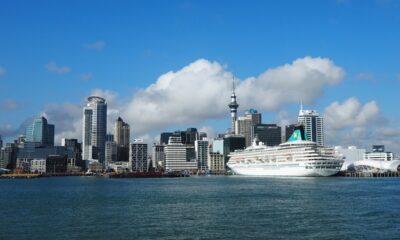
{"type": "Point", "coordinates": [3, 71]}
{"type": "Point", "coordinates": [303, 79]}
{"type": "Point", "coordinates": [351, 114]}
{"type": "Point", "coordinates": [98, 45]}
{"type": "Point", "coordinates": [209, 130]}
{"type": "Point", "coordinates": [352, 123]}
{"type": "Point", "coordinates": [52, 67]}
{"type": "Point", "coordinates": [385, 132]}
{"type": "Point", "coordinates": [67, 119]}
{"type": "Point", "coordinates": [201, 91]}
{"type": "Point", "coordinates": [7, 130]}
{"type": "Point", "coordinates": [284, 118]}
{"type": "Point", "coordinates": [85, 76]}
{"type": "Point", "coordinates": [368, 76]}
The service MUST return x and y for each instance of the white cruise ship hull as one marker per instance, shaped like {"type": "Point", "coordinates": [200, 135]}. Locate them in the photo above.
{"type": "Point", "coordinates": [277, 170]}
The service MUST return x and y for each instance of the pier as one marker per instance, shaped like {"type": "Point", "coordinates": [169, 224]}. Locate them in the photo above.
{"type": "Point", "coordinates": [372, 174]}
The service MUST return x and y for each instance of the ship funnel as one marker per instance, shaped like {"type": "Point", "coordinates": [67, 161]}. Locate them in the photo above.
{"type": "Point", "coordinates": [298, 134]}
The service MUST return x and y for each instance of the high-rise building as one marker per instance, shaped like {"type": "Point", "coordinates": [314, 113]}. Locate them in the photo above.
{"type": "Point", "coordinates": [3, 159]}
{"type": "Point", "coordinates": [244, 127]}
{"type": "Point", "coordinates": [1, 143]}
{"type": "Point", "coordinates": [254, 116]}
{"type": "Point", "coordinates": [190, 153]}
{"type": "Point", "coordinates": [122, 139]}
{"type": "Point", "coordinates": [138, 156]}
{"type": "Point", "coordinates": [269, 134]}
{"type": "Point", "coordinates": [313, 125]}
{"type": "Point", "coordinates": [201, 148]}
{"type": "Point", "coordinates": [232, 143]}
{"type": "Point", "coordinates": [233, 106]}
{"type": "Point", "coordinates": [51, 130]}
{"type": "Point", "coordinates": [110, 137]}
{"type": "Point", "coordinates": [110, 152]}
{"type": "Point", "coordinates": [202, 136]}
{"type": "Point", "coordinates": [188, 137]}
{"type": "Point", "coordinates": [191, 136]}
{"type": "Point", "coordinates": [122, 133]}
{"type": "Point", "coordinates": [94, 129]}
{"type": "Point", "coordinates": [164, 137]}
{"type": "Point", "coordinates": [8, 156]}
{"type": "Point", "coordinates": [218, 146]}
{"type": "Point", "coordinates": [158, 155]}
{"type": "Point", "coordinates": [176, 157]}
{"type": "Point", "coordinates": [40, 132]}
{"type": "Point", "coordinates": [75, 147]}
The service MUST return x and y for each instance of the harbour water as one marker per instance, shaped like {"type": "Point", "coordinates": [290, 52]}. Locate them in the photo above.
{"type": "Point", "coordinates": [200, 208]}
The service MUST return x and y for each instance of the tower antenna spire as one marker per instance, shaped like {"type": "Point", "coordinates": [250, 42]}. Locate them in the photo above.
{"type": "Point", "coordinates": [233, 84]}
{"type": "Point", "coordinates": [301, 105]}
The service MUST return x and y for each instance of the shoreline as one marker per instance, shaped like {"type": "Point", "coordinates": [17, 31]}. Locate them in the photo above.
{"type": "Point", "coordinates": [174, 175]}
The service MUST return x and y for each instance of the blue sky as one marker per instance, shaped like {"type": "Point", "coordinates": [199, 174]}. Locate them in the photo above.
{"type": "Point", "coordinates": [125, 46]}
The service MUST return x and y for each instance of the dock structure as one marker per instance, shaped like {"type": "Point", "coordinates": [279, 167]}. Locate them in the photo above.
{"type": "Point", "coordinates": [19, 175]}
{"type": "Point", "coordinates": [372, 174]}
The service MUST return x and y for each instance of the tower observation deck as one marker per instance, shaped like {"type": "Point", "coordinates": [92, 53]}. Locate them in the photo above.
{"type": "Point", "coordinates": [233, 106]}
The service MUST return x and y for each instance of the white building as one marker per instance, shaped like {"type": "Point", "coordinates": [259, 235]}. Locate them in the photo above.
{"type": "Point", "coordinates": [376, 161]}
{"type": "Point", "coordinates": [138, 156]}
{"type": "Point", "coordinates": [119, 167]}
{"type": "Point", "coordinates": [351, 154]}
{"type": "Point", "coordinates": [176, 157]}
{"type": "Point", "coordinates": [94, 129]}
{"type": "Point", "coordinates": [201, 148]}
{"type": "Point", "coordinates": [38, 166]}
{"type": "Point", "coordinates": [313, 125]}
{"type": "Point", "coordinates": [379, 156]}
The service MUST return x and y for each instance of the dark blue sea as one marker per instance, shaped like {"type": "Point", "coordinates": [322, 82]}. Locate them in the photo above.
{"type": "Point", "coordinates": [200, 208]}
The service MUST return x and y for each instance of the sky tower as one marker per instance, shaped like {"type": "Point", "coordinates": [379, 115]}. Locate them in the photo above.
{"type": "Point", "coordinates": [233, 106]}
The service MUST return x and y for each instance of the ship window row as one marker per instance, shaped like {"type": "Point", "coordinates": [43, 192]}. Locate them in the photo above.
{"type": "Point", "coordinates": [323, 167]}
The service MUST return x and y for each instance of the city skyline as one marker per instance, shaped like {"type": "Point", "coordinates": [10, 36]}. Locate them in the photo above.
{"type": "Point", "coordinates": [155, 90]}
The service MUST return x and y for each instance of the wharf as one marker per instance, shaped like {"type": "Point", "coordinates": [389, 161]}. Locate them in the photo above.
{"type": "Point", "coordinates": [37, 175]}
{"type": "Point", "coordinates": [372, 174]}
{"type": "Point", "coordinates": [19, 175]}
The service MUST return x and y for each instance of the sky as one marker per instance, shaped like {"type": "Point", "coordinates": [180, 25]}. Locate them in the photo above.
{"type": "Point", "coordinates": [168, 65]}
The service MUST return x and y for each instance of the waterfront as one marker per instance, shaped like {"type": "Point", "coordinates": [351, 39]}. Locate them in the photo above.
{"type": "Point", "coordinates": [200, 208]}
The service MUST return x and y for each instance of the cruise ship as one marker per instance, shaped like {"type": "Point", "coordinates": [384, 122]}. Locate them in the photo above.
{"type": "Point", "coordinates": [295, 158]}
